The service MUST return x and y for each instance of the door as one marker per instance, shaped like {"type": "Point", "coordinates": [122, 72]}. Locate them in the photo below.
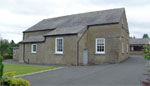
{"type": "Point", "coordinates": [85, 56]}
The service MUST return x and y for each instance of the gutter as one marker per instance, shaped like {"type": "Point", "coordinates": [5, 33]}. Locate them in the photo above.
{"type": "Point", "coordinates": [31, 41]}
{"type": "Point", "coordinates": [66, 34]}
{"type": "Point", "coordinates": [103, 24]}
{"type": "Point", "coordinates": [38, 30]}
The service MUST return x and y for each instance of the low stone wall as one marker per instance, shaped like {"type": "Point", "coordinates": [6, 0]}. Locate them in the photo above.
{"type": "Point", "coordinates": [136, 53]}
{"type": "Point", "coordinates": [16, 53]}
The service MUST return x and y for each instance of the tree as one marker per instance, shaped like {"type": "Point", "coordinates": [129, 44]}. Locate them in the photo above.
{"type": "Point", "coordinates": [10, 48]}
{"type": "Point", "coordinates": [1, 68]}
{"type": "Point", "coordinates": [4, 46]}
{"type": "Point", "coordinates": [145, 36]}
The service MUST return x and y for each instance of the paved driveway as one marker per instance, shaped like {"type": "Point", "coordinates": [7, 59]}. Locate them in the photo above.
{"type": "Point", "coordinates": [126, 73]}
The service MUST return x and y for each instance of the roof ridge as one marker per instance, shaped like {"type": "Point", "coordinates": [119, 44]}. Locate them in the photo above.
{"type": "Point", "coordinates": [84, 13]}
{"type": "Point", "coordinates": [140, 38]}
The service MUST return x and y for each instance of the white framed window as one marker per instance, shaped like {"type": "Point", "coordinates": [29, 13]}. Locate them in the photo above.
{"type": "Point", "coordinates": [59, 43]}
{"type": "Point", "coordinates": [122, 47]}
{"type": "Point", "coordinates": [100, 46]}
{"type": "Point", "coordinates": [34, 48]}
{"type": "Point", "coordinates": [127, 48]}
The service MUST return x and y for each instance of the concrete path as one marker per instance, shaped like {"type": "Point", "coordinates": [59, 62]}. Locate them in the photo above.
{"type": "Point", "coordinates": [128, 73]}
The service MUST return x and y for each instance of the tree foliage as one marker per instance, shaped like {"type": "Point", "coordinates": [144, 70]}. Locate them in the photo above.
{"type": "Point", "coordinates": [6, 48]}
{"type": "Point", "coordinates": [147, 52]}
{"type": "Point", "coordinates": [145, 36]}
{"type": "Point", "coordinates": [1, 67]}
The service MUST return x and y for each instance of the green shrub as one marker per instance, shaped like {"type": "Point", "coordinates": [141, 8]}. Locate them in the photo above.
{"type": "Point", "coordinates": [17, 82]}
{"type": "Point", "coordinates": [10, 81]}
{"type": "Point", "coordinates": [1, 58]}
{"type": "Point", "coordinates": [1, 67]}
{"type": "Point", "coordinates": [8, 75]}
{"type": "Point", "coordinates": [8, 57]}
{"type": "Point", "coordinates": [147, 52]}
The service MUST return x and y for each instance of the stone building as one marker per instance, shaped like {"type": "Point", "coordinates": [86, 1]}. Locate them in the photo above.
{"type": "Point", "coordinates": [99, 37]}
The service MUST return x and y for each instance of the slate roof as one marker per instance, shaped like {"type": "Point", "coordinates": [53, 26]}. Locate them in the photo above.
{"type": "Point", "coordinates": [66, 30]}
{"type": "Point", "coordinates": [39, 38]}
{"type": "Point", "coordinates": [139, 41]}
{"type": "Point", "coordinates": [73, 24]}
{"type": "Point", "coordinates": [83, 19]}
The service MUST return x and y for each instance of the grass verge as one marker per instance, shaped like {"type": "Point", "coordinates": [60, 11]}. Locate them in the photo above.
{"type": "Point", "coordinates": [20, 69]}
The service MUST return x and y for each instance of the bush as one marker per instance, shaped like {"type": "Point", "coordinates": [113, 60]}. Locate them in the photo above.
{"type": "Point", "coordinates": [1, 67]}
{"type": "Point", "coordinates": [147, 52]}
{"type": "Point", "coordinates": [147, 57]}
{"type": "Point", "coordinates": [17, 82]}
{"type": "Point", "coordinates": [8, 80]}
{"type": "Point", "coordinates": [8, 57]}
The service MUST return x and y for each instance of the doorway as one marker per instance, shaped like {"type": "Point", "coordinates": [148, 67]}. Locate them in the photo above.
{"type": "Point", "coordinates": [85, 56]}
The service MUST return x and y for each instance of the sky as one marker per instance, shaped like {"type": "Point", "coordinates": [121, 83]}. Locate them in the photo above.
{"type": "Point", "coordinates": [18, 15]}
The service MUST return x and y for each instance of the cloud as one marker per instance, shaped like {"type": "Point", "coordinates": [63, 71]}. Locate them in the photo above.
{"type": "Point", "coordinates": [18, 15]}
{"type": "Point", "coordinates": [28, 7]}
{"type": "Point", "coordinates": [138, 32]}
{"type": "Point", "coordinates": [127, 3]}
{"type": "Point", "coordinates": [12, 36]}
{"type": "Point", "coordinates": [12, 23]}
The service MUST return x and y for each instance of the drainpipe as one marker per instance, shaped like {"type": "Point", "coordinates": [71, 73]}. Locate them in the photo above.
{"type": "Point", "coordinates": [24, 55]}
{"type": "Point", "coordinates": [78, 46]}
{"type": "Point", "coordinates": [24, 50]}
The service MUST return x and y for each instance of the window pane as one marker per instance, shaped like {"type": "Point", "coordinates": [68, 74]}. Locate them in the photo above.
{"type": "Point", "coordinates": [102, 48]}
{"type": "Point", "coordinates": [98, 48]}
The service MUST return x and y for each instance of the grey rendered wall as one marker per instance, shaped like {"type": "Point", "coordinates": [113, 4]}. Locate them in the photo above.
{"type": "Point", "coordinates": [124, 38]}
{"type": "Point", "coordinates": [28, 34]}
{"type": "Point", "coordinates": [21, 53]}
{"type": "Point", "coordinates": [16, 53]}
{"type": "Point", "coordinates": [46, 51]}
{"type": "Point", "coordinates": [83, 41]}
{"type": "Point", "coordinates": [114, 36]}
{"type": "Point", "coordinates": [111, 33]}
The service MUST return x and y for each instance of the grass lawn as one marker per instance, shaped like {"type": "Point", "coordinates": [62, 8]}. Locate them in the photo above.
{"type": "Point", "coordinates": [24, 69]}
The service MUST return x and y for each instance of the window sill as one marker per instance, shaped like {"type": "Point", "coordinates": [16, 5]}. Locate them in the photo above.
{"type": "Point", "coordinates": [33, 52]}
{"type": "Point", "coordinates": [58, 53]}
{"type": "Point", "coordinates": [99, 53]}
